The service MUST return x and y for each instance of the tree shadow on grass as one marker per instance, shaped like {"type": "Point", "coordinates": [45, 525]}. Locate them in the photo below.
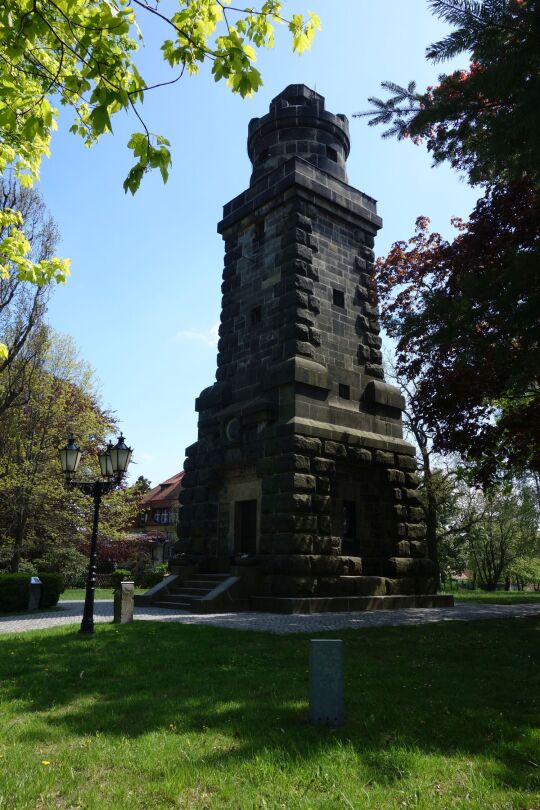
{"type": "Point", "coordinates": [452, 689]}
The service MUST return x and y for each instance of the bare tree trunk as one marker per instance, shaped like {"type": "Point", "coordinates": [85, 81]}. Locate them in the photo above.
{"type": "Point", "coordinates": [18, 540]}
{"type": "Point", "coordinates": [430, 511]}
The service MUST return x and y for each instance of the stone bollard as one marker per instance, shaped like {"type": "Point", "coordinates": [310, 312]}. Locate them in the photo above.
{"type": "Point", "coordinates": [326, 682]}
{"type": "Point", "coordinates": [123, 603]}
{"type": "Point", "coordinates": [34, 593]}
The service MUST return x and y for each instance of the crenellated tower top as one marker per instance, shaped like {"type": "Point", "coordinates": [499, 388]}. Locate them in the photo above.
{"type": "Point", "coordinates": [298, 124]}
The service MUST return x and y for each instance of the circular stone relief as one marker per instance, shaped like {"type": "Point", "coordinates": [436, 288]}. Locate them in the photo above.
{"type": "Point", "coordinates": [232, 429]}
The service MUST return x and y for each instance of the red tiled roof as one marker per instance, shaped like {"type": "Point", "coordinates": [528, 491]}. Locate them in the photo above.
{"type": "Point", "coordinates": [165, 493]}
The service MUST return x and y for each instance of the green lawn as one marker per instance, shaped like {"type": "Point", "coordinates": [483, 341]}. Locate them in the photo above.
{"type": "Point", "coordinates": [153, 715]}
{"type": "Point", "coordinates": [496, 597]}
{"type": "Point", "coordinates": [101, 593]}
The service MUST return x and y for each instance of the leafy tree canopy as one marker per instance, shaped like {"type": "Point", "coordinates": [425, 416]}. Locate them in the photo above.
{"type": "Point", "coordinates": [465, 313]}
{"type": "Point", "coordinates": [82, 54]}
{"type": "Point", "coordinates": [35, 508]}
{"type": "Point", "coordinates": [482, 119]}
{"type": "Point", "coordinates": [465, 317]}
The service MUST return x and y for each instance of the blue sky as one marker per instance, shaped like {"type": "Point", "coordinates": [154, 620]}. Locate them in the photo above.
{"type": "Point", "coordinates": [143, 300]}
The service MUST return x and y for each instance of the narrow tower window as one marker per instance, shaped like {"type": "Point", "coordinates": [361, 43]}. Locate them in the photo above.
{"type": "Point", "coordinates": [338, 298]}
{"type": "Point", "coordinates": [331, 154]}
{"type": "Point", "coordinates": [258, 233]}
{"type": "Point", "coordinates": [344, 391]}
{"type": "Point", "coordinates": [256, 316]}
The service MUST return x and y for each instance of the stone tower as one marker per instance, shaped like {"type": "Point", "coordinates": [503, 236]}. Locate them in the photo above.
{"type": "Point", "coordinates": [300, 473]}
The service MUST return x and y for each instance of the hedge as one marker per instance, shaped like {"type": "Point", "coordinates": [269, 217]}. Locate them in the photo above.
{"type": "Point", "coordinates": [15, 589]}
{"type": "Point", "coordinates": [52, 587]}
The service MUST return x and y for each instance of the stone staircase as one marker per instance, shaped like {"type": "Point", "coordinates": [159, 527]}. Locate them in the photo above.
{"type": "Point", "coordinates": [182, 596]}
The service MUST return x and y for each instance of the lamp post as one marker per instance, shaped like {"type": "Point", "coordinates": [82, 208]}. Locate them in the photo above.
{"type": "Point", "coordinates": [113, 462]}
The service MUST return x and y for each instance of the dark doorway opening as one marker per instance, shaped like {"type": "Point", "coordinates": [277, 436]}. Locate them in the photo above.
{"type": "Point", "coordinates": [246, 527]}
{"type": "Point", "coordinates": [349, 532]}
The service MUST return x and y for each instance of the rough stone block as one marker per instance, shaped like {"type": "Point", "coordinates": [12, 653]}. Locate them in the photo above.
{"type": "Point", "coordinates": [301, 444]}
{"type": "Point", "coordinates": [360, 455]}
{"type": "Point", "coordinates": [293, 463]}
{"type": "Point", "coordinates": [362, 353]}
{"type": "Point", "coordinates": [418, 548]}
{"type": "Point", "coordinates": [328, 564]}
{"type": "Point", "coordinates": [374, 371]}
{"type": "Point", "coordinates": [315, 337]}
{"type": "Point", "coordinates": [323, 485]}
{"type": "Point", "coordinates": [291, 502]}
{"type": "Point", "coordinates": [416, 531]}
{"type": "Point", "coordinates": [324, 524]}
{"type": "Point", "coordinates": [290, 543]}
{"type": "Point", "coordinates": [296, 482]}
{"type": "Point", "coordinates": [281, 585]}
{"type": "Point", "coordinates": [321, 503]}
{"type": "Point", "coordinates": [335, 449]}
{"type": "Point", "coordinates": [333, 586]}
{"type": "Point", "coordinates": [323, 465]}
{"type": "Point", "coordinates": [325, 545]}
{"type": "Point", "coordinates": [370, 586]}
{"type": "Point", "coordinates": [293, 522]}
{"type": "Point", "coordinates": [403, 549]}
{"type": "Point", "coordinates": [406, 462]}
{"type": "Point", "coordinates": [395, 476]}
{"type": "Point", "coordinates": [383, 458]}
{"type": "Point", "coordinates": [289, 564]}
{"type": "Point", "coordinates": [361, 294]}
{"type": "Point", "coordinates": [402, 566]}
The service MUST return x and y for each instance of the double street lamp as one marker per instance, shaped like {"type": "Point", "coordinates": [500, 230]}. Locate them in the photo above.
{"type": "Point", "coordinates": [113, 462]}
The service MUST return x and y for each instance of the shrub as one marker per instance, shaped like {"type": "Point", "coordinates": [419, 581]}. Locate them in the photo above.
{"type": "Point", "coordinates": [121, 575]}
{"type": "Point", "coordinates": [64, 560]}
{"type": "Point", "coordinates": [14, 591]}
{"type": "Point", "coordinates": [52, 586]}
{"type": "Point", "coordinates": [27, 567]}
{"type": "Point", "coordinates": [149, 577]}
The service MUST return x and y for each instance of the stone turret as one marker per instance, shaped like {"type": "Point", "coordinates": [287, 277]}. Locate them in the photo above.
{"type": "Point", "coordinates": [298, 124]}
{"type": "Point", "coordinates": [300, 471]}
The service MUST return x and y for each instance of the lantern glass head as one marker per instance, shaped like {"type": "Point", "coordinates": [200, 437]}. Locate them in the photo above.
{"type": "Point", "coordinates": [120, 456]}
{"type": "Point", "coordinates": [70, 456]}
{"type": "Point", "coordinates": [105, 462]}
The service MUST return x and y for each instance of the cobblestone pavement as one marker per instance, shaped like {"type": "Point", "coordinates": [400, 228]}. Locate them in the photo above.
{"type": "Point", "coordinates": [71, 613]}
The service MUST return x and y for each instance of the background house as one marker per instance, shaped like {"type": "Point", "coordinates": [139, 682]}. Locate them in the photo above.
{"type": "Point", "coordinates": [158, 516]}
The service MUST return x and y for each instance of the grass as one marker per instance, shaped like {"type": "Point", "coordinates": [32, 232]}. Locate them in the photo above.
{"type": "Point", "coordinates": [155, 715]}
{"type": "Point", "coordinates": [100, 593]}
{"type": "Point", "coordinates": [495, 597]}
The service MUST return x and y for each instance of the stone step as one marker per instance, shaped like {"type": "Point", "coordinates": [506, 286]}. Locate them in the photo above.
{"type": "Point", "coordinates": [188, 591]}
{"type": "Point", "coordinates": [172, 597]}
{"type": "Point", "coordinates": [173, 605]}
{"type": "Point", "coordinates": [209, 584]}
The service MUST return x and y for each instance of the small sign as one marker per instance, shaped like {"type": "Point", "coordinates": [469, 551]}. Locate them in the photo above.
{"type": "Point", "coordinates": [35, 581]}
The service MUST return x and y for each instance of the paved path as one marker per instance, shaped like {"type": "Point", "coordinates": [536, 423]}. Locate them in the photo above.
{"type": "Point", "coordinates": [71, 613]}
